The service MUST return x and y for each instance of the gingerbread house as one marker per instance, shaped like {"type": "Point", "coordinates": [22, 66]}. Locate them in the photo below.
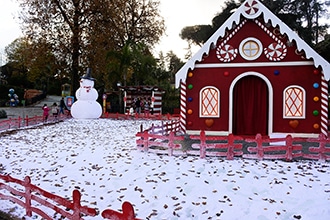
{"type": "Point", "coordinates": [254, 75]}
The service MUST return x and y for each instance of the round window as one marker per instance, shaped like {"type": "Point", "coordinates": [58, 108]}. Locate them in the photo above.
{"type": "Point", "coordinates": [250, 48]}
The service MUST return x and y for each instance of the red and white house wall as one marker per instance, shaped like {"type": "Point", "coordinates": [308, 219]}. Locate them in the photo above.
{"type": "Point", "coordinates": [254, 75]}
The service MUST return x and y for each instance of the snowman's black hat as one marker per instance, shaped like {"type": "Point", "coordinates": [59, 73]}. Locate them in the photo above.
{"type": "Point", "coordinates": [88, 75]}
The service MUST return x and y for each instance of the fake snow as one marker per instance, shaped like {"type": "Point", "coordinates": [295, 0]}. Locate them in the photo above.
{"type": "Point", "coordinates": [99, 158]}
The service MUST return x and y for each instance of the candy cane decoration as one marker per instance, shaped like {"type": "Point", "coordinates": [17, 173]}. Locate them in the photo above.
{"type": "Point", "coordinates": [324, 106]}
{"type": "Point", "coordinates": [183, 104]}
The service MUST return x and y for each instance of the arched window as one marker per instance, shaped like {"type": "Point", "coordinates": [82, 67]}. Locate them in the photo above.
{"type": "Point", "coordinates": [294, 102]}
{"type": "Point", "coordinates": [209, 102]}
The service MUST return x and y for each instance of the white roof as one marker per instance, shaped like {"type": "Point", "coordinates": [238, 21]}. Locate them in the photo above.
{"type": "Point", "coordinates": [251, 9]}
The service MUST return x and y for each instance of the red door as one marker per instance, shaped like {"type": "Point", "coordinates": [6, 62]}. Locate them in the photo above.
{"type": "Point", "coordinates": [250, 106]}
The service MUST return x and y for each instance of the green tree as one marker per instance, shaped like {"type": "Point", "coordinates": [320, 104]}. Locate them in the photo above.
{"type": "Point", "coordinates": [16, 70]}
{"type": "Point", "coordinates": [132, 65]}
{"type": "Point", "coordinates": [33, 62]}
{"type": "Point", "coordinates": [310, 12]}
{"type": "Point", "coordinates": [120, 64]}
{"type": "Point", "coordinates": [81, 32]}
{"type": "Point", "coordinates": [174, 64]}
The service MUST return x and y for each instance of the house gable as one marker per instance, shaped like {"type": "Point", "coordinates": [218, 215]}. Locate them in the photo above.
{"type": "Point", "coordinates": [271, 44]}
{"type": "Point", "coordinates": [251, 10]}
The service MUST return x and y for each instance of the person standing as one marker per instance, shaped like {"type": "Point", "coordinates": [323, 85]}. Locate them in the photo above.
{"type": "Point", "coordinates": [55, 111]}
{"type": "Point", "coordinates": [138, 106]}
{"type": "Point", "coordinates": [146, 109]}
{"type": "Point", "coordinates": [45, 112]}
{"type": "Point", "coordinates": [62, 106]}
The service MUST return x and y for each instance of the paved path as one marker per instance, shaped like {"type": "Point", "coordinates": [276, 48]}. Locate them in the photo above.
{"type": "Point", "coordinates": [31, 110]}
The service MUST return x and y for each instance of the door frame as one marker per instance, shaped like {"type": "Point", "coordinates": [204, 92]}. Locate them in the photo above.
{"type": "Point", "coordinates": [270, 99]}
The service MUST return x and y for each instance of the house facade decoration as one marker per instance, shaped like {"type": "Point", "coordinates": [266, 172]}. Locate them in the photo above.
{"type": "Point", "coordinates": [254, 75]}
{"type": "Point", "coordinates": [152, 94]}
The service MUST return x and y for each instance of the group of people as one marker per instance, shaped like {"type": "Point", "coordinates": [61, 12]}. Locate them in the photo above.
{"type": "Point", "coordinates": [54, 109]}
{"type": "Point", "coordinates": [138, 105]}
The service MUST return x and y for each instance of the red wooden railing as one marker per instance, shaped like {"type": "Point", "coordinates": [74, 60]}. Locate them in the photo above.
{"type": "Point", "coordinates": [19, 122]}
{"type": "Point", "coordinates": [32, 193]}
{"type": "Point", "coordinates": [291, 150]}
{"type": "Point", "coordinates": [158, 140]}
{"type": "Point", "coordinates": [231, 148]}
{"type": "Point", "coordinates": [321, 152]}
{"type": "Point", "coordinates": [140, 116]}
{"type": "Point", "coordinates": [287, 148]}
{"type": "Point", "coordinates": [165, 128]}
{"type": "Point", "coordinates": [72, 210]}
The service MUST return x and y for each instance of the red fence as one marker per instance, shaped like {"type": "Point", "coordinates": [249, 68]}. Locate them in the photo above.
{"type": "Point", "coordinates": [17, 123]}
{"type": "Point", "coordinates": [140, 116]}
{"type": "Point", "coordinates": [165, 128]}
{"type": "Point", "coordinates": [160, 136]}
{"type": "Point", "coordinates": [290, 150]}
{"type": "Point", "coordinates": [73, 210]}
{"type": "Point", "coordinates": [231, 146]}
{"type": "Point", "coordinates": [32, 193]}
{"type": "Point", "coordinates": [231, 149]}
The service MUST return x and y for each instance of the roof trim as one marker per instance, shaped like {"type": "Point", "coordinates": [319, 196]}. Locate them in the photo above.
{"type": "Point", "coordinates": [252, 9]}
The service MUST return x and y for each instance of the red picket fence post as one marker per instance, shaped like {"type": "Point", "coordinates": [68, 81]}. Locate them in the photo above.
{"type": "Point", "coordinates": [171, 144]}
{"type": "Point", "coordinates": [9, 124]}
{"type": "Point", "coordinates": [291, 150]}
{"type": "Point", "coordinates": [231, 148]}
{"type": "Point", "coordinates": [321, 151]}
{"type": "Point", "coordinates": [32, 192]}
{"type": "Point", "coordinates": [128, 213]}
{"type": "Point", "coordinates": [258, 149]}
{"type": "Point", "coordinates": [28, 208]}
{"type": "Point", "coordinates": [26, 120]}
{"type": "Point", "coordinates": [19, 122]}
{"type": "Point", "coordinates": [152, 139]}
{"type": "Point", "coordinates": [202, 145]}
{"type": "Point", "coordinates": [143, 142]}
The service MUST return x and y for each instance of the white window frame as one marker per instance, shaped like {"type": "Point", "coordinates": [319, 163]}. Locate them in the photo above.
{"type": "Point", "coordinates": [201, 102]}
{"type": "Point", "coordinates": [303, 102]}
{"type": "Point", "coordinates": [242, 49]}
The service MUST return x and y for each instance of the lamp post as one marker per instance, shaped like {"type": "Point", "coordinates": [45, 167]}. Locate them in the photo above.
{"type": "Point", "coordinates": [120, 97]}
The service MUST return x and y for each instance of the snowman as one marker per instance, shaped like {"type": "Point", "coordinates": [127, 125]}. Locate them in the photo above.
{"type": "Point", "coordinates": [86, 105]}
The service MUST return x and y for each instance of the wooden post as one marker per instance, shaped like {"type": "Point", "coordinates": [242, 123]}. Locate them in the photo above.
{"type": "Point", "coordinates": [260, 150]}
{"type": "Point", "coordinates": [203, 144]}
{"type": "Point", "coordinates": [288, 142]}
{"type": "Point", "coordinates": [171, 143]}
{"type": "Point", "coordinates": [19, 121]}
{"type": "Point", "coordinates": [230, 152]}
{"type": "Point", "coordinates": [27, 185]}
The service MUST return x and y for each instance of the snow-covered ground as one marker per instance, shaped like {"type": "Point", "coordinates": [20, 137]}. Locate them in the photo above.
{"type": "Point", "coordinates": [99, 157]}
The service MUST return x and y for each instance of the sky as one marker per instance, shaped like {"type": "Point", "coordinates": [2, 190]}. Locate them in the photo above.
{"type": "Point", "coordinates": [181, 13]}
{"type": "Point", "coordinates": [9, 26]}
{"type": "Point", "coordinates": [99, 158]}
{"type": "Point", "coordinates": [177, 15]}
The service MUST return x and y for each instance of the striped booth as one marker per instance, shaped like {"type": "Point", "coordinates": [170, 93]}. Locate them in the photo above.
{"type": "Point", "coordinates": [150, 94]}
